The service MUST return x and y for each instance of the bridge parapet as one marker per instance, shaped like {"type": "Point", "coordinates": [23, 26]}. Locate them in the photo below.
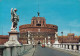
{"type": "Point", "coordinates": [14, 50]}
{"type": "Point", "coordinates": [68, 46]}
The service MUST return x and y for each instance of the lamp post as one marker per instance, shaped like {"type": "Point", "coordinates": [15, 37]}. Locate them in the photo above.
{"type": "Point", "coordinates": [62, 36]}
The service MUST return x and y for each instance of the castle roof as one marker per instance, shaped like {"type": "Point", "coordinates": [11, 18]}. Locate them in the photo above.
{"type": "Point", "coordinates": [38, 18]}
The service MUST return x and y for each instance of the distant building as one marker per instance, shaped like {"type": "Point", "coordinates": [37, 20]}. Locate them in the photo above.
{"type": "Point", "coordinates": [38, 30]}
{"type": "Point", "coordinates": [70, 38]}
{"type": "Point", "coordinates": [3, 39]}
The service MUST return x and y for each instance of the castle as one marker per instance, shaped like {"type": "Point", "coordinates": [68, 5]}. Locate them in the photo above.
{"type": "Point", "coordinates": [38, 30]}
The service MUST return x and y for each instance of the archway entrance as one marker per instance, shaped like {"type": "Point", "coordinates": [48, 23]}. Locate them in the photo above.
{"type": "Point", "coordinates": [39, 42]}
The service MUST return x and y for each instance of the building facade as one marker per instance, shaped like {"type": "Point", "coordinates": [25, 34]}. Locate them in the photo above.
{"type": "Point", "coordinates": [38, 30]}
{"type": "Point", "coordinates": [70, 38]}
{"type": "Point", "coordinates": [3, 39]}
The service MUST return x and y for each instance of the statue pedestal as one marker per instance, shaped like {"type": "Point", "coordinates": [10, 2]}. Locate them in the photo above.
{"type": "Point", "coordinates": [49, 44]}
{"type": "Point", "coordinates": [29, 42]}
{"type": "Point", "coordinates": [13, 39]}
{"type": "Point", "coordinates": [45, 44]}
{"type": "Point", "coordinates": [55, 44]}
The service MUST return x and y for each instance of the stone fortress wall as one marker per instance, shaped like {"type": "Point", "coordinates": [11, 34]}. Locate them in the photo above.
{"type": "Point", "coordinates": [38, 29]}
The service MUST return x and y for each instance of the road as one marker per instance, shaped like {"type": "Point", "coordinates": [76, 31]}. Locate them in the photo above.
{"type": "Point", "coordinates": [48, 52]}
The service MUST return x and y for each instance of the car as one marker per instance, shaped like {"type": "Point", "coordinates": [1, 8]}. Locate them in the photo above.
{"type": "Point", "coordinates": [43, 45]}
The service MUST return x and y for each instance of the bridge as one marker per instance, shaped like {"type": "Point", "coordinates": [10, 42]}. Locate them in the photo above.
{"type": "Point", "coordinates": [63, 49]}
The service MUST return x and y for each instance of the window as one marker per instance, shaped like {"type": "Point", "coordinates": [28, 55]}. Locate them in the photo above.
{"type": "Point", "coordinates": [33, 22]}
{"type": "Point", "coordinates": [38, 24]}
{"type": "Point", "coordinates": [36, 21]}
{"type": "Point", "coordinates": [40, 21]}
{"type": "Point", "coordinates": [43, 22]}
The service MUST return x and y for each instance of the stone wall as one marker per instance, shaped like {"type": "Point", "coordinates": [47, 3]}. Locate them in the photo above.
{"type": "Point", "coordinates": [3, 39]}
{"type": "Point", "coordinates": [38, 29]}
{"type": "Point", "coordinates": [70, 38]}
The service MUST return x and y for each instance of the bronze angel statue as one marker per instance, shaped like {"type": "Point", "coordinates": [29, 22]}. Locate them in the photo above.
{"type": "Point", "coordinates": [14, 19]}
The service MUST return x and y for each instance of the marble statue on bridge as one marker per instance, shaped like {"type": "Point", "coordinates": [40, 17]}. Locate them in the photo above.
{"type": "Point", "coordinates": [56, 38]}
{"type": "Point", "coordinates": [13, 35]}
{"type": "Point", "coordinates": [14, 19]}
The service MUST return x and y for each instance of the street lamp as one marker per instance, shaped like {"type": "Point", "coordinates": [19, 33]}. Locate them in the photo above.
{"type": "Point", "coordinates": [62, 36]}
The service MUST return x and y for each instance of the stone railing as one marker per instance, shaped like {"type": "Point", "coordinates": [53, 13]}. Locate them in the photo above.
{"type": "Point", "coordinates": [68, 46]}
{"type": "Point", "coordinates": [14, 50]}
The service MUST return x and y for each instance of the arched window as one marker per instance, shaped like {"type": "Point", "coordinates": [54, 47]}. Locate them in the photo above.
{"type": "Point", "coordinates": [36, 21]}
{"type": "Point", "coordinates": [43, 22]}
{"type": "Point", "coordinates": [40, 21]}
{"type": "Point", "coordinates": [33, 21]}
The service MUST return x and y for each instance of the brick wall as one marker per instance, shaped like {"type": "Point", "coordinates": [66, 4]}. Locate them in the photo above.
{"type": "Point", "coordinates": [3, 39]}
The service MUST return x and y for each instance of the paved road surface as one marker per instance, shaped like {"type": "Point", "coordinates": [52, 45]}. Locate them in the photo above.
{"type": "Point", "coordinates": [49, 52]}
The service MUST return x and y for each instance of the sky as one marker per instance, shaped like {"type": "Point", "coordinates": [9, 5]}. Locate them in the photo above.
{"type": "Point", "coordinates": [63, 13]}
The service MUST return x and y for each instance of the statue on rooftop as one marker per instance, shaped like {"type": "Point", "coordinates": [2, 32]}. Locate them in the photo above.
{"type": "Point", "coordinates": [14, 19]}
{"type": "Point", "coordinates": [38, 14]}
